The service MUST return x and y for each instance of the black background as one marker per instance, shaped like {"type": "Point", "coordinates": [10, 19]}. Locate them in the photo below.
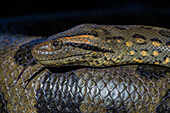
{"type": "Point", "coordinates": [18, 8]}
{"type": "Point", "coordinates": [120, 12]}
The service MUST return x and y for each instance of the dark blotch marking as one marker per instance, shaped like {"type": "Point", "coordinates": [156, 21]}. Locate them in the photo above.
{"type": "Point", "coordinates": [140, 58]}
{"type": "Point", "coordinates": [94, 56]}
{"type": "Point", "coordinates": [156, 40]}
{"type": "Point", "coordinates": [144, 50]}
{"type": "Point", "coordinates": [165, 57]}
{"type": "Point", "coordinates": [108, 38]}
{"type": "Point", "coordinates": [91, 32]}
{"type": "Point", "coordinates": [119, 37]}
{"type": "Point", "coordinates": [168, 43]}
{"type": "Point", "coordinates": [87, 47]}
{"type": "Point", "coordinates": [72, 44]}
{"type": "Point", "coordinates": [67, 44]}
{"type": "Point", "coordinates": [152, 71]}
{"type": "Point", "coordinates": [139, 36]}
{"type": "Point", "coordinates": [97, 62]}
{"type": "Point", "coordinates": [160, 62]}
{"type": "Point", "coordinates": [154, 56]}
{"type": "Point", "coordinates": [105, 58]}
{"type": "Point", "coordinates": [135, 50]}
{"type": "Point", "coordinates": [105, 32]}
{"type": "Point", "coordinates": [157, 49]}
{"type": "Point", "coordinates": [142, 43]}
{"type": "Point", "coordinates": [164, 33]}
{"type": "Point", "coordinates": [83, 57]}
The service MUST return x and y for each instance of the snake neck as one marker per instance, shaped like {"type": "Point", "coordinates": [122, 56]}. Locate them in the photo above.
{"type": "Point", "coordinates": [130, 56]}
{"type": "Point", "coordinates": [137, 50]}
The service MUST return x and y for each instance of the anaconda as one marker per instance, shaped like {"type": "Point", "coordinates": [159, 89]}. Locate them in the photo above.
{"type": "Point", "coordinates": [125, 88]}
{"type": "Point", "coordinates": [104, 45]}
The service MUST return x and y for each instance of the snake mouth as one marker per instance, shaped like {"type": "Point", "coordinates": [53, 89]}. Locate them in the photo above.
{"type": "Point", "coordinates": [70, 60]}
{"type": "Point", "coordinates": [82, 56]}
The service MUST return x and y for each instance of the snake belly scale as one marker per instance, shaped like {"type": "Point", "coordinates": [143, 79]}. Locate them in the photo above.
{"type": "Point", "coordinates": [105, 45]}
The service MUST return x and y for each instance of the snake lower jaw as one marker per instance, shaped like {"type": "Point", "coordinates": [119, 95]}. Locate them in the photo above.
{"type": "Point", "coordinates": [69, 61]}
{"type": "Point", "coordinates": [52, 63]}
{"type": "Point", "coordinates": [78, 60]}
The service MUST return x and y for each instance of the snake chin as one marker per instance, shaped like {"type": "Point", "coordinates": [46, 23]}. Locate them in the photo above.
{"type": "Point", "coordinates": [69, 61]}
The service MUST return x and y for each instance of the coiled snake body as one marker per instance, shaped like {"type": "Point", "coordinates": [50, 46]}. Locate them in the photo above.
{"type": "Point", "coordinates": [122, 88]}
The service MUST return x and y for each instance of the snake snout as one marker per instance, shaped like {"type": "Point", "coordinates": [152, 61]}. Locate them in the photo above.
{"type": "Point", "coordinates": [43, 47]}
{"type": "Point", "coordinates": [41, 50]}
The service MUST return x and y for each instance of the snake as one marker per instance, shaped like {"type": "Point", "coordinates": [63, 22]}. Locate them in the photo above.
{"type": "Point", "coordinates": [101, 45]}
{"type": "Point", "coordinates": [126, 70]}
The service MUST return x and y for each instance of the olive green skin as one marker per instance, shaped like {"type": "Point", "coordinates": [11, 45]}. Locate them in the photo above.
{"type": "Point", "coordinates": [127, 88]}
{"type": "Point", "coordinates": [105, 45]}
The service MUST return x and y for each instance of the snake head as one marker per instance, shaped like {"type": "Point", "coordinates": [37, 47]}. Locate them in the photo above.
{"type": "Point", "coordinates": [75, 50]}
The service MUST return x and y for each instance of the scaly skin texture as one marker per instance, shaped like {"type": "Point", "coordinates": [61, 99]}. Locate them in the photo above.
{"type": "Point", "coordinates": [12, 59]}
{"type": "Point", "coordinates": [131, 88]}
{"type": "Point", "coordinates": [106, 45]}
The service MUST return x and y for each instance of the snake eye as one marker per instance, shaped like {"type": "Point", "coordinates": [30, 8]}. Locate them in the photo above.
{"type": "Point", "coordinates": [56, 43]}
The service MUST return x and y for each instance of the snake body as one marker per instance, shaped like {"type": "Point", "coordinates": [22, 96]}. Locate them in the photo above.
{"type": "Point", "coordinates": [104, 45]}
{"type": "Point", "coordinates": [124, 88]}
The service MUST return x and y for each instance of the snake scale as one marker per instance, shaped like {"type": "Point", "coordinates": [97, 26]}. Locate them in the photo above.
{"type": "Point", "coordinates": [110, 84]}
{"type": "Point", "coordinates": [101, 45]}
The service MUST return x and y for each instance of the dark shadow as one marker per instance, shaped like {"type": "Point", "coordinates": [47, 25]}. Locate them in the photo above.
{"type": "Point", "coordinates": [23, 54]}
{"type": "Point", "coordinates": [64, 69]}
{"type": "Point", "coordinates": [3, 104]}
{"type": "Point", "coordinates": [164, 105]}
{"type": "Point", "coordinates": [153, 71]}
